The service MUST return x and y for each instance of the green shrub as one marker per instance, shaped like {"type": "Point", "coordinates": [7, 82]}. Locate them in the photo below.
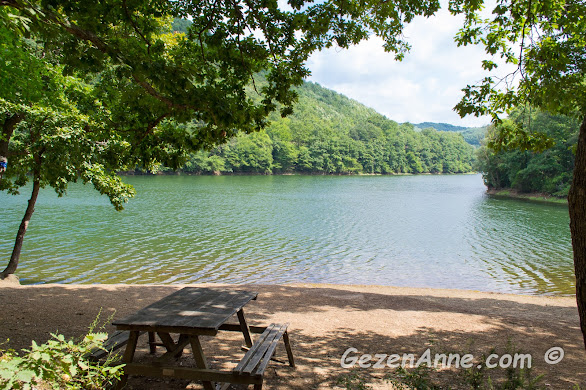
{"type": "Point", "coordinates": [59, 364]}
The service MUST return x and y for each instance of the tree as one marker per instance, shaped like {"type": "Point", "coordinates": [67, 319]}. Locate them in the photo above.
{"type": "Point", "coordinates": [141, 82]}
{"type": "Point", "coordinates": [546, 40]}
{"type": "Point", "coordinates": [45, 117]}
{"type": "Point", "coordinates": [548, 172]}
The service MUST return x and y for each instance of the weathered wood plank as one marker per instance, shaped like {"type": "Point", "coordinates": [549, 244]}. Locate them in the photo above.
{"type": "Point", "coordinates": [167, 341]}
{"type": "Point", "coordinates": [254, 349]}
{"type": "Point", "coordinates": [260, 369]}
{"type": "Point", "coordinates": [169, 329]}
{"type": "Point", "coordinates": [128, 357]}
{"type": "Point", "coordinates": [152, 343]}
{"type": "Point", "coordinates": [288, 348]}
{"type": "Point", "coordinates": [199, 309]}
{"type": "Point", "coordinates": [219, 311]}
{"type": "Point", "coordinates": [176, 352]}
{"type": "Point", "coordinates": [179, 300]}
{"type": "Point", "coordinates": [200, 359]}
{"type": "Point", "coordinates": [256, 356]}
{"type": "Point", "coordinates": [267, 349]}
{"type": "Point", "coordinates": [236, 328]}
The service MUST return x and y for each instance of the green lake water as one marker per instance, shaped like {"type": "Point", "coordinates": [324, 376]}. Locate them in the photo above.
{"type": "Point", "coordinates": [420, 231]}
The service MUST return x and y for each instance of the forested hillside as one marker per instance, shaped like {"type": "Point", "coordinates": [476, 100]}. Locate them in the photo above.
{"type": "Point", "coordinates": [472, 135]}
{"type": "Point", "coordinates": [329, 133]}
{"type": "Point", "coordinates": [439, 126]}
{"type": "Point", "coordinates": [547, 172]}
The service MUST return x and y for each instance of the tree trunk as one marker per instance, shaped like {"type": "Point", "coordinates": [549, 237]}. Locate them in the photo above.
{"type": "Point", "coordinates": [7, 129]}
{"type": "Point", "coordinates": [577, 208]}
{"type": "Point", "coordinates": [13, 263]}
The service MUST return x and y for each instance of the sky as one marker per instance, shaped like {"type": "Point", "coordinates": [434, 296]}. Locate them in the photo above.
{"type": "Point", "coordinates": [424, 87]}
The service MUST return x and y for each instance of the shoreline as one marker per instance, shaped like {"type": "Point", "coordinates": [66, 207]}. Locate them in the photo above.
{"type": "Point", "coordinates": [432, 291]}
{"type": "Point", "coordinates": [325, 320]}
{"type": "Point", "coordinates": [14, 281]}
{"type": "Point", "coordinates": [181, 173]}
{"type": "Point", "coordinates": [530, 197]}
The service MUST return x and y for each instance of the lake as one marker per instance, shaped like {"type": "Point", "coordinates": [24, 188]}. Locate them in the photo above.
{"type": "Point", "coordinates": [419, 231]}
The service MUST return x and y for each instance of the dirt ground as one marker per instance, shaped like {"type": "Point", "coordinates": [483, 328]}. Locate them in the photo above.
{"type": "Point", "coordinates": [326, 320]}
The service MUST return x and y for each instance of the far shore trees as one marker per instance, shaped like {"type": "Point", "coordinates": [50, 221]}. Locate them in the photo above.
{"type": "Point", "coordinates": [529, 171]}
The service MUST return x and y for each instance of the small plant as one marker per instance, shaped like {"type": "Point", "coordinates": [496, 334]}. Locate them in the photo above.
{"type": "Point", "coordinates": [60, 364]}
{"type": "Point", "coordinates": [515, 378]}
{"type": "Point", "coordinates": [477, 377]}
{"type": "Point", "coordinates": [417, 379]}
{"type": "Point", "coordinates": [353, 381]}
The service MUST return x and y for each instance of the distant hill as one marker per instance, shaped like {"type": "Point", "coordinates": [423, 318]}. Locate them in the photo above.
{"type": "Point", "coordinates": [329, 133]}
{"type": "Point", "coordinates": [439, 126]}
{"type": "Point", "coordinates": [472, 135]}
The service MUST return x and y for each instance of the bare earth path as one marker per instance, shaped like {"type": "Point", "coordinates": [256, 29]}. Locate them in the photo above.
{"type": "Point", "coordinates": [325, 321]}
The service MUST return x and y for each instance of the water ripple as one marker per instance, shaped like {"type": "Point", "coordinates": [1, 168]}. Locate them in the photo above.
{"type": "Point", "coordinates": [428, 231]}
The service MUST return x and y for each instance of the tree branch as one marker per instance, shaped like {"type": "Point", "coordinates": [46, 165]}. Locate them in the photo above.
{"type": "Point", "coordinates": [135, 27]}
{"type": "Point", "coordinates": [154, 93]}
{"type": "Point", "coordinates": [10, 3]}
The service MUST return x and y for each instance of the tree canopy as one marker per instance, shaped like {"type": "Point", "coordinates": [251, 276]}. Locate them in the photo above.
{"type": "Point", "coordinates": [546, 42]}
{"type": "Point", "coordinates": [54, 124]}
{"type": "Point", "coordinates": [108, 84]}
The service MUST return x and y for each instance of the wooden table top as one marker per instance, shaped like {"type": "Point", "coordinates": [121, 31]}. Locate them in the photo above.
{"type": "Point", "coordinates": [191, 310]}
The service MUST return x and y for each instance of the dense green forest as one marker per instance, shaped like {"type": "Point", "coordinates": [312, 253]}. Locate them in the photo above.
{"type": "Point", "coordinates": [527, 171]}
{"type": "Point", "coordinates": [329, 133]}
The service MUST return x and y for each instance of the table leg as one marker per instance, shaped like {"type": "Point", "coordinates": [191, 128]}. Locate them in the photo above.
{"type": "Point", "coordinates": [200, 359]}
{"type": "Point", "coordinates": [128, 356]}
{"type": "Point", "coordinates": [182, 340]}
{"type": "Point", "coordinates": [244, 327]}
{"type": "Point", "coordinates": [152, 343]}
{"type": "Point", "coordinates": [167, 341]}
{"type": "Point", "coordinates": [288, 348]}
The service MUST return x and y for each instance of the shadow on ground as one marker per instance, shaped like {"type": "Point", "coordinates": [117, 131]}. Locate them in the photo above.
{"type": "Point", "coordinates": [325, 322]}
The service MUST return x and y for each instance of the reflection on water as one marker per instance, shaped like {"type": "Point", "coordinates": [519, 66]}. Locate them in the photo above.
{"type": "Point", "coordinates": [428, 231]}
{"type": "Point", "coordinates": [525, 245]}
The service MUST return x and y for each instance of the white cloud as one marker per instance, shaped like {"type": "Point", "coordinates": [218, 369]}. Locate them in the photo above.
{"type": "Point", "coordinates": [425, 86]}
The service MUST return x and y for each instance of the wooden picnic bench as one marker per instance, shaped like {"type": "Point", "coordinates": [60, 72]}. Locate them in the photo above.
{"type": "Point", "coordinates": [254, 363]}
{"type": "Point", "coordinates": [114, 342]}
{"type": "Point", "coordinates": [192, 312]}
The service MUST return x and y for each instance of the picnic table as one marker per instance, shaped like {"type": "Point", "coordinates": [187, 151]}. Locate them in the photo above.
{"type": "Point", "coordinates": [193, 312]}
